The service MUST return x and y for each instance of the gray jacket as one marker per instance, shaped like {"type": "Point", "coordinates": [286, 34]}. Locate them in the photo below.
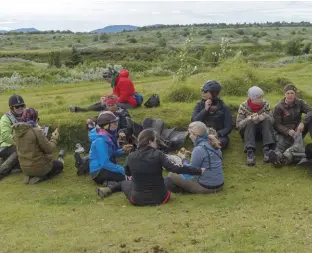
{"type": "Point", "coordinates": [205, 156]}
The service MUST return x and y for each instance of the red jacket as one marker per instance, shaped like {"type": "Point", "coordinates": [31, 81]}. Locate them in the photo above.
{"type": "Point", "coordinates": [124, 88]}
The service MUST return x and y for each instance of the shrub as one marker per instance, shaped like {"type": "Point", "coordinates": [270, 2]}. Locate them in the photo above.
{"type": "Point", "coordinates": [240, 31]}
{"type": "Point", "coordinates": [182, 93]}
{"type": "Point", "coordinates": [132, 40]}
{"type": "Point", "coordinates": [276, 46]}
{"type": "Point", "coordinates": [293, 47]}
{"type": "Point", "coordinates": [306, 48]}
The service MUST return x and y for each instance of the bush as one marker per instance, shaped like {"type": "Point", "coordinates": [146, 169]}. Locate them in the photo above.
{"type": "Point", "coordinates": [240, 31]}
{"type": "Point", "coordinates": [132, 40]}
{"type": "Point", "coordinates": [306, 49]}
{"type": "Point", "coordinates": [293, 47]}
{"type": "Point", "coordinates": [276, 46]}
{"type": "Point", "coordinates": [182, 93]}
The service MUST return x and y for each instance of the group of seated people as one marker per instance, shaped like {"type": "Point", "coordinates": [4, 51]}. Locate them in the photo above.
{"type": "Point", "coordinates": [24, 145]}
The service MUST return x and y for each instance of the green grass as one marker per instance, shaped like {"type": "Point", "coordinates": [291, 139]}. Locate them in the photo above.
{"type": "Point", "coordinates": [261, 209]}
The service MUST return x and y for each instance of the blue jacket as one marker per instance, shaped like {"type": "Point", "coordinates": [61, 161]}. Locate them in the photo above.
{"type": "Point", "coordinates": [102, 150]}
{"type": "Point", "coordinates": [205, 156]}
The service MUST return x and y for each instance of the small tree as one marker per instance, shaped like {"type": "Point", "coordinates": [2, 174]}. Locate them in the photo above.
{"type": "Point", "coordinates": [293, 47]}
{"type": "Point", "coordinates": [75, 59]}
{"type": "Point", "coordinates": [162, 42]}
{"type": "Point", "coordinates": [55, 59]}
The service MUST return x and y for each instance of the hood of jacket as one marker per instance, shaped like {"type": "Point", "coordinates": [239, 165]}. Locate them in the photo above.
{"type": "Point", "coordinates": [124, 73]}
{"type": "Point", "coordinates": [20, 129]}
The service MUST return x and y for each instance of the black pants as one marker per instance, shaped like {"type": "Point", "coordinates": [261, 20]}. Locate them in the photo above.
{"type": "Point", "coordinates": [106, 175]}
{"type": "Point", "coordinates": [263, 130]}
{"type": "Point", "coordinates": [224, 140]}
{"type": "Point", "coordinates": [7, 151]}
{"type": "Point", "coordinates": [97, 107]}
{"type": "Point", "coordinates": [285, 141]}
{"type": "Point", "coordinates": [57, 168]}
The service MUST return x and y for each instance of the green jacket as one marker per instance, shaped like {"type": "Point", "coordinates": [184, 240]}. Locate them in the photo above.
{"type": "Point", "coordinates": [6, 137]}
{"type": "Point", "coordinates": [34, 150]}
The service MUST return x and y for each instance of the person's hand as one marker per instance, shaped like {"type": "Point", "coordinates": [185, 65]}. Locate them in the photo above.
{"type": "Point", "coordinates": [249, 117]}
{"type": "Point", "coordinates": [127, 148]}
{"type": "Point", "coordinates": [255, 117]}
{"type": "Point", "coordinates": [261, 117]}
{"type": "Point", "coordinates": [102, 100]}
{"type": "Point", "coordinates": [202, 170]}
{"type": "Point", "coordinates": [208, 104]}
{"type": "Point", "coordinates": [181, 155]}
{"type": "Point", "coordinates": [292, 133]}
{"type": "Point", "coordinates": [300, 128]}
{"type": "Point", "coordinates": [56, 134]}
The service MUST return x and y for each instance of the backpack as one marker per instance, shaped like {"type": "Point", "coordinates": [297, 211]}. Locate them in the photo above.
{"type": "Point", "coordinates": [138, 97]}
{"type": "Point", "coordinates": [153, 101]}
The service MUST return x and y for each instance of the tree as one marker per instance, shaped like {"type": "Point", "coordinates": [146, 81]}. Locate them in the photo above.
{"type": "Point", "coordinates": [75, 59]}
{"type": "Point", "coordinates": [55, 59]}
{"type": "Point", "coordinates": [162, 42]}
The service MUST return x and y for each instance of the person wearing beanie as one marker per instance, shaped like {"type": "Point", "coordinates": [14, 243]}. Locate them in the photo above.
{"type": "Point", "coordinates": [8, 153]}
{"type": "Point", "coordinates": [104, 150]}
{"type": "Point", "coordinates": [212, 111]}
{"type": "Point", "coordinates": [112, 106]}
{"type": "Point", "coordinates": [289, 121]}
{"type": "Point", "coordinates": [254, 119]}
{"type": "Point", "coordinates": [35, 151]}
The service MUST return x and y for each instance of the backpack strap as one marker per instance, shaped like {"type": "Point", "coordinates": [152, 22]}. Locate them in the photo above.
{"type": "Point", "coordinates": [213, 151]}
{"type": "Point", "coordinates": [11, 117]}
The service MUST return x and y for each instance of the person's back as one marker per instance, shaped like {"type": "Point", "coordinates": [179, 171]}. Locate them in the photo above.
{"type": "Point", "coordinates": [146, 171]}
{"type": "Point", "coordinates": [211, 159]}
{"type": "Point", "coordinates": [34, 150]}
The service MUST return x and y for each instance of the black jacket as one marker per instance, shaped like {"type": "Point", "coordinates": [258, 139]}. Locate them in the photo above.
{"type": "Point", "coordinates": [221, 120]}
{"type": "Point", "coordinates": [146, 166]}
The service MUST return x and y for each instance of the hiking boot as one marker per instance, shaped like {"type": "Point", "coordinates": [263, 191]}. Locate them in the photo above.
{"type": "Point", "coordinates": [78, 160]}
{"type": "Point", "coordinates": [72, 108]}
{"type": "Point", "coordinates": [35, 180]}
{"type": "Point", "coordinates": [9, 163]}
{"type": "Point", "coordinates": [79, 149]}
{"type": "Point", "coordinates": [275, 158]}
{"type": "Point", "coordinates": [103, 192]}
{"type": "Point", "coordinates": [26, 179]}
{"type": "Point", "coordinates": [251, 159]}
{"type": "Point", "coordinates": [266, 151]}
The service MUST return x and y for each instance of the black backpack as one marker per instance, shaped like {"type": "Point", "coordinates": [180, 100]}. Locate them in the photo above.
{"type": "Point", "coordinates": [153, 101]}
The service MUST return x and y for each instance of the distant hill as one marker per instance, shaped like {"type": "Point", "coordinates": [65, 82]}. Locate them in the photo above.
{"type": "Point", "coordinates": [3, 31]}
{"type": "Point", "coordinates": [115, 29]}
{"type": "Point", "coordinates": [25, 30]}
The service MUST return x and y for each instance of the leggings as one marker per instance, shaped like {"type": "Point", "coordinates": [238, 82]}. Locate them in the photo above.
{"type": "Point", "coordinates": [97, 107]}
{"type": "Point", "coordinates": [106, 175]}
{"type": "Point", "coordinates": [57, 168]}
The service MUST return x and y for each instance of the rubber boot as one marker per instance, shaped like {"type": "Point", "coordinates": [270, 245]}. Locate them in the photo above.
{"type": "Point", "coordinates": [103, 192]}
{"type": "Point", "coordinates": [8, 164]}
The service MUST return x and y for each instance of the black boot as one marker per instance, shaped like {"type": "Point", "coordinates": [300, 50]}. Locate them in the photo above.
{"type": "Point", "coordinates": [275, 157]}
{"type": "Point", "coordinates": [251, 159]}
{"type": "Point", "coordinates": [266, 151]}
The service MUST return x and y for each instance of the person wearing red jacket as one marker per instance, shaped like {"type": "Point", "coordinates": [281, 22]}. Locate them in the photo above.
{"type": "Point", "coordinates": [122, 86]}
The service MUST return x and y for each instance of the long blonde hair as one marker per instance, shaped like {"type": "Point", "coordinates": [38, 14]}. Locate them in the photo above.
{"type": "Point", "coordinates": [198, 128]}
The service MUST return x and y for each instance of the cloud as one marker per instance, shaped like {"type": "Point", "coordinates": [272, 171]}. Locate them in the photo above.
{"type": "Point", "coordinates": [78, 15]}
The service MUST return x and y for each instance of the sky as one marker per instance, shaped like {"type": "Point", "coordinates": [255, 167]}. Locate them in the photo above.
{"type": "Point", "coordinates": [87, 15]}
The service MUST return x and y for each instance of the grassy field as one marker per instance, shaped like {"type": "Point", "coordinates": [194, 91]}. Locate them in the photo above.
{"type": "Point", "coordinates": [262, 209]}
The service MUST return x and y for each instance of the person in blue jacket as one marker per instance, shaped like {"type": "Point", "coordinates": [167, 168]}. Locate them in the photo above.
{"type": "Point", "coordinates": [104, 150]}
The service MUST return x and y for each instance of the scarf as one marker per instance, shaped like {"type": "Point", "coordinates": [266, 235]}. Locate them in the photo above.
{"type": "Point", "coordinates": [17, 116]}
{"type": "Point", "coordinates": [115, 75]}
{"type": "Point", "coordinates": [254, 107]}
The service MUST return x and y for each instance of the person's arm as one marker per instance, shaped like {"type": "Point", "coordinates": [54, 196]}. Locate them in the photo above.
{"type": "Point", "coordinates": [124, 90]}
{"type": "Point", "coordinates": [228, 125]}
{"type": "Point", "coordinates": [45, 145]}
{"type": "Point", "coordinates": [171, 167]}
{"type": "Point", "coordinates": [127, 168]}
{"type": "Point", "coordinates": [241, 119]}
{"type": "Point", "coordinates": [198, 114]}
{"type": "Point", "coordinates": [278, 121]}
{"type": "Point", "coordinates": [307, 109]}
{"type": "Point", "coordinates": [6, 130]}
{"type": "Point", "coordinates": [103, 158]}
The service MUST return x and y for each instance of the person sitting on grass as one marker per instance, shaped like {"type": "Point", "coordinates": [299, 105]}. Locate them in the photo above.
{"type": "Point", "coordinates": [123, 89]}
{"type": "Point", "coordinates": [288, 121]}
{"type": "Point", "coordinates": [206, 154]}
{"type": "Point", "coordinates": [112, 106]}
{"type": "Point", "coordinates": [145, 166]}
{"type": "Point", "coordinates": [8, 152]}
{"type": "Point", "coordinates": [104, 150]}
{"type": "Point", "coordinates": [212, 111]}
{"type": "Point", "coordinates": [255, 120]}
{"type": "Point", "coordinates": [35, 151]}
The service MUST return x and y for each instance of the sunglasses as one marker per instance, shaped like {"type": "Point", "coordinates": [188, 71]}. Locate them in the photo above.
{"type": "Point", "coordinates": [204, 91]}
{"type": "Point", "coordinates": [19, 106]}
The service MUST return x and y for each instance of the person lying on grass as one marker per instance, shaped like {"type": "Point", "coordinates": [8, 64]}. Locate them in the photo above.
{"type": "Point", "coordinates": [35, 151]}
{"type": "Point", "coordinates": [255, 121]}
{"type": "Point", "coordinates": [8, 152]}
{"type": "Point", "coordinates": [206, 154]}
{"type": "Point", "coordinates": [145, 166]}
{"type": "Point", "coordinates": [288, 121]}
{"type": "Point", "coordinates": [212, 111]}
{"type": "Point", "coordinates": [104, 150]}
